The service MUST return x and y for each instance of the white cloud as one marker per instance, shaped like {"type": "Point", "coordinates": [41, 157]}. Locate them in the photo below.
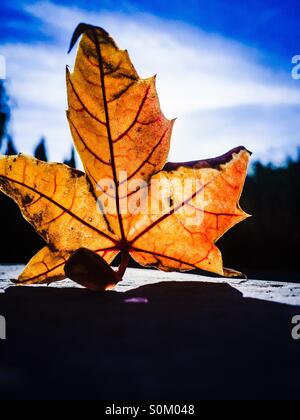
{"type": "Point", "coordinates": [218, 88]}
{"type": "Point", "coordinates": [36, 75]}
{"type": "Point", "coordinates": [271, 133]}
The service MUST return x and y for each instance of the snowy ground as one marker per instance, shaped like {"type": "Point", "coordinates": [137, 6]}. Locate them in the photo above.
{"type": "Point", "coordinates": [286, 293]}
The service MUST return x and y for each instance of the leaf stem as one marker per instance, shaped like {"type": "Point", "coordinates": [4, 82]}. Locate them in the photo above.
{"type": "Point", "coordinates": [124, 264]}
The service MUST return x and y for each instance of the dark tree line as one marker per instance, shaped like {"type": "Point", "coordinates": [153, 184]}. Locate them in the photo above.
{"type": "Point", "coordinates": [269, 241]}
{"type": "Point", "coordinates": [4, 112]}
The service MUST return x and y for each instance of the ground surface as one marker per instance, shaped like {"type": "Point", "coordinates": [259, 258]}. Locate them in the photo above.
{"type": "Point", "coordinates": [192, 340]}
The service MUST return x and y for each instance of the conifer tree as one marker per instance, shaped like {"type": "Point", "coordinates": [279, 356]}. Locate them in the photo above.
{"type": "Point", "coordinates": [41, 151]}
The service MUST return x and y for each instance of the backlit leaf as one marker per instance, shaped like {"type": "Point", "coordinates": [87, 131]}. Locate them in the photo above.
{"type": "Point", "coordinates": [169, 216]}
{"type": "Point", "coordinates": [115, 117]}
{"type": "Point", "coordinates": [58, 202]}
{"type": "Point", "coordinates": [186, 241]}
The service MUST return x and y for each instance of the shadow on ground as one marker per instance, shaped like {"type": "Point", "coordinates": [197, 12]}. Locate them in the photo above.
{"type": "Point", "coordinates": [191, 341]}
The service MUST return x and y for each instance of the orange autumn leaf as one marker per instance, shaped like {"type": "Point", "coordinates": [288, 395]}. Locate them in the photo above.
{"type": "Point", "coordinates": [129, 200]}
{"type": "Point", "coordinates": [115, 118]}
{"type": "Point", "coordinates": [174, 241]}
{"type": "Point", "coordinates": [58, 202]}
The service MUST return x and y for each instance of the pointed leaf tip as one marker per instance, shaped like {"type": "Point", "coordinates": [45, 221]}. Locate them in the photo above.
{"type": "Point", "coordinates": [81, 29]}
{"type": "Point", "coordinates": [208, 163]}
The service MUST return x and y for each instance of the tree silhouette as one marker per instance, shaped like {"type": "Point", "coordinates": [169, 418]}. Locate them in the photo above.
{"type": "Point", "coordinates": [269, 240]}
{"type": "Point", "coordinates": [72, 160]}
{"type": "Point", "coordinates": [41, 151]}
{"type": "Point", "coordinates": [4, 111]}
{"type": "Point", "coordinates": [11, 148]}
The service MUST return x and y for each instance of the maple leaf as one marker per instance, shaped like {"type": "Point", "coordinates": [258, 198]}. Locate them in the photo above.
{"type": "Point", "coordinates": [123, 138]}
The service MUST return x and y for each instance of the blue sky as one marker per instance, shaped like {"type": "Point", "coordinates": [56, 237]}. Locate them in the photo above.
{"type": "Point", "coordinates": [230, 81]}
